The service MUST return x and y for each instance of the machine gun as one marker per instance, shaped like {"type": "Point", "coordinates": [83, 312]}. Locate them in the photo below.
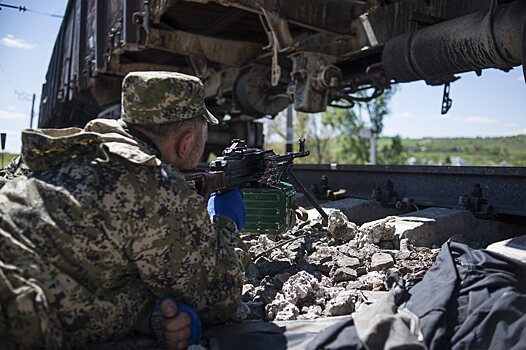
{"type": "Point", "coordinates": [251, 168]}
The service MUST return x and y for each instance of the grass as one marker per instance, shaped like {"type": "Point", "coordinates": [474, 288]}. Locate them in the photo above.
{"type": "Point", "coordinates": [487, 151]}
{"type": "Point", "coordinates": [7, 157]}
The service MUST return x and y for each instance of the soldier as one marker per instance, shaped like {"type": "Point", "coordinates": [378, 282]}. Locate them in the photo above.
{"type": "Point", "coordinates": [104, 225]}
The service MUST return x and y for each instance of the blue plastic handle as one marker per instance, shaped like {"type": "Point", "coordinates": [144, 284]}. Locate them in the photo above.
{"type": "Point", "coordinates": [195, 321]}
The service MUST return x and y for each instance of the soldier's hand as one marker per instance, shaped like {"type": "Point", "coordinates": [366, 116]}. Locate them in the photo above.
{"type": "Point", "coordinates": [176, 325]}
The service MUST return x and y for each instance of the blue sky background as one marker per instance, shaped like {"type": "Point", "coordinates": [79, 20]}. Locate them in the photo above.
{"type": "Point", "coordinates": [491, 105]}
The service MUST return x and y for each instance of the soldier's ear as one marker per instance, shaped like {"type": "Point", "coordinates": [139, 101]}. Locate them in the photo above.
{"type": "Point", "coordinates": [185, 144]}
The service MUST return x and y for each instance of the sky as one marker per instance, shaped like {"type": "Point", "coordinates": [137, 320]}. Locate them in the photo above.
{"type": "Point", "coordinates": [491, 105]}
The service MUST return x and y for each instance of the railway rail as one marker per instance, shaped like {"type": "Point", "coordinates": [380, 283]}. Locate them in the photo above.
{"type": "Point", "coordinates": [489, 192]}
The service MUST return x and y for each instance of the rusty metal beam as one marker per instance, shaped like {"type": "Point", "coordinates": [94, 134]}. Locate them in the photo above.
{"type": "Point", "coordinates": [228, 52]}
{"type": "Point", "coordinates": [330, 16]}
{"type": "Point", "coordinates": [121, 69]}
{"type": "Point", "coordinates": [224, 21]}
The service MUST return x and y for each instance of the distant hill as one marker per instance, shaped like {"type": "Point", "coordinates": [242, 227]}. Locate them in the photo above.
{"type": "Point", "coordinates": [481, 151]}
{"type": "Point", "coordinates": [490, 151]}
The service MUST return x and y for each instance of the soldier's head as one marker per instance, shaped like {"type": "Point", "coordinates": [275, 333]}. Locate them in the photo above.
{"type": "Point", "coordinates": [169, 107]}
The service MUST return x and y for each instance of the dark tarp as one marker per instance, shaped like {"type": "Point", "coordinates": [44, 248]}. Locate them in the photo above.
{"type": "Point", "coordinates": [471, 299]}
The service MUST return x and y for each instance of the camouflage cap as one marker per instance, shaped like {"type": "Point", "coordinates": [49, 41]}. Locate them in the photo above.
{"type": "Point", "coordinates": [162, 97]}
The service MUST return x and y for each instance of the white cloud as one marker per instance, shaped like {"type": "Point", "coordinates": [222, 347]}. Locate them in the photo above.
{"type": "Point", "coordinates": [509, 125]}
{"type": "Point", "coordinates": [479, 120]}
{"type": "Point", "coordinates": [10, 41]}
{"type": "Point", "coordinates": [11, 114]}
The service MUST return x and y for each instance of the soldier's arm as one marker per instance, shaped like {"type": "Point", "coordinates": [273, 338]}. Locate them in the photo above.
{"type": "Point", "coordinates": [179, 252]}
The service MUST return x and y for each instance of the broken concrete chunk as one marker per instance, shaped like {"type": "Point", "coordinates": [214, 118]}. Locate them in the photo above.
{"type": "Point", "coordinates": [281, 278]}
{"type": "Point", "coordinates": [248, 292]}
{"type": "Point", "coordinates": [376, 231]}
{"type": "Point", "coordinates": [340, 228]}
{"type": "Point", "coordinates": [356, 285]}
{"type": "Point", "coordinates": [322, 259]}
{"type": "Point", "coordinates": [345, 261]}
{"type": "Point", "coordinates": [265, 293]}
{"type": "Point", "coordinates": [326, 253]}
{"type": "Point", "coordinates": [381, 261]}
{"type": "Point", "coordinates": [281, 310]}
{"type": "Point", "coordinates": [268, 267]}
{"type": "Point", "coordinates": [342, 304]}
{"type": "Point", "coordinates": [374, 280]}
{"type": "Point", "coordinates": [343, 274]}
{"type": "Point", "coordinates": [514, 248]}
{"type": "Point", "coordinates": [300, 287]}
{"type": "Point", "coordinates": [252, 274]}
{"type": "Point", "coordinates": [310, 312]}
{"type": "Point", "coordinates": [356, 210]}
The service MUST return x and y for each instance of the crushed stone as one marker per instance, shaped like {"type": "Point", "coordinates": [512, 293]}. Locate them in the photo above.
{"type": "Point", "coordinates": [327, 269]}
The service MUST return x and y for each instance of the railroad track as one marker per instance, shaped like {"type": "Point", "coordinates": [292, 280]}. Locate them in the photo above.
{"type": "Point", "coordinates": [489, 192]}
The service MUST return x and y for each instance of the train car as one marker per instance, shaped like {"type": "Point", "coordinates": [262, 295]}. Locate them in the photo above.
{"type": "Point", "coordinates": [258, 57]}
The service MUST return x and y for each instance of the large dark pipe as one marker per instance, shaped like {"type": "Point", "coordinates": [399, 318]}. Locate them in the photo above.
{"type": "Point", "coordinates": [486, 39]}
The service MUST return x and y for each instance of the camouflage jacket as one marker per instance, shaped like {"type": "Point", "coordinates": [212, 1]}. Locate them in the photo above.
{"type": "Point", "coordinates": [99, 230]}
{"type": "Point", "coordinates": [13, 170]}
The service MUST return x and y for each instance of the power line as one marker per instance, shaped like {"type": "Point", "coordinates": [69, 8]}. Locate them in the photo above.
{"type": "Point", "coordinates": [5, 65]}
{"type": "Point", "coordinates": [46, 14]}
{"type": "Point", "coordinates": [24, 9]}
{"type": "Point", "coordinates": [7, 76]}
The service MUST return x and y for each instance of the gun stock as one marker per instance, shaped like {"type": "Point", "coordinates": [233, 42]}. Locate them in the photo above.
{"type": "Point", "coordinates": [207, 182]}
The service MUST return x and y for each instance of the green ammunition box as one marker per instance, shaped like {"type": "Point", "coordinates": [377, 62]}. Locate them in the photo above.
{"type": "Point", "coordinates": [270, 209]}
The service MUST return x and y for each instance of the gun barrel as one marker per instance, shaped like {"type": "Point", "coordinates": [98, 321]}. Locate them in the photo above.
{"type": "Point", "coordinates": [289, 156]}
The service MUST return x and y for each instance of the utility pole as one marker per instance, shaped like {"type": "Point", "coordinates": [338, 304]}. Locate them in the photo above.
{"type": "Point", "coordinates": [290, 129]}
{"type": "Point", "coordinates": [373, 149]}
{"type": "Point", "coordinates": [2, 143]}
{"type": "Point", "coordinates": [32, 113]}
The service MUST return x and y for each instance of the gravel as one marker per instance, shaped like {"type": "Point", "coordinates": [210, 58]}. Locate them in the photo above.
{"type": "Point", "coordinates": [326, 270]}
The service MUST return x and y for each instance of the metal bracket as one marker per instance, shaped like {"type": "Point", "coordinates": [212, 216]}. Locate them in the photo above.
{"type": "Point", "coordinates": [385, 194]}
{"type": "Point", "coordinates": [389, 198]}
{"type": "Point", "coordinates": [325, 192]}
{"type": "Point", "coordinates": [446, 101]}
{"type": "Point", "coordinates": [369, 31]}
{"type": "Point", "coordinates": [279, 39]}
{"type": "Point", "coordinates": [475, 201]}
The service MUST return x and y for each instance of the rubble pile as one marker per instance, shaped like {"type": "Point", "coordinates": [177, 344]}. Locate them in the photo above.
{"type": "Point", "coordinates": [317, 270]}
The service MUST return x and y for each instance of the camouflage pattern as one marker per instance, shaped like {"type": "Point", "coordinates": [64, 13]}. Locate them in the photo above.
{"type": "Point", "coordinates": [162, 97]}
{"type": "Point", "coordinates": [13, 170]}
{"type": "Point", "coordinates": [97, 232]}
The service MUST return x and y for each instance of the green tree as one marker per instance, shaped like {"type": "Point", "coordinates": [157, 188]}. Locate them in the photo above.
{"type": "Point", "coordinates": [350, 126]}
{"type": "Point", "coordinates": [394, 154]}
{"type": "Point", "coordinates": [352, 147]}
{"type": "Point", "coordinates": [378, 109]}
{"type": "Point", "coordinates": [308, 127]}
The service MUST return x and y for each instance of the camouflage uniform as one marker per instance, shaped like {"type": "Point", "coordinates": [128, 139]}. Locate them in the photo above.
{"type": "Point", "coordinates": [13, 170]}
{"type": "Point", "coordinates": [98, 231]}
